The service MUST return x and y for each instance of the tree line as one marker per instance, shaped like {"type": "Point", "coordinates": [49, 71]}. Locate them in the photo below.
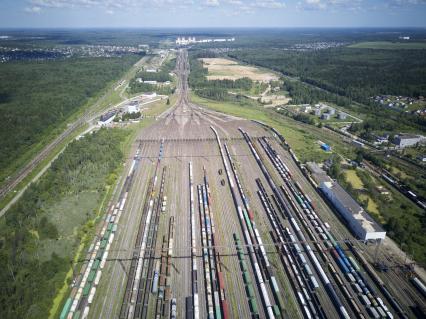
{"type": "Point", "coordinates": [29, 282]}
{"type": "Point", "coordinates": [37, 97]}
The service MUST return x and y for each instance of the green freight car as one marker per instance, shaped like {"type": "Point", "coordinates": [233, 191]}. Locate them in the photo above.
{"type": "Point", "coordinates": [86, 289]}
{"type": "Point", "coordinates": [243, 265]}
{"type": "Point", "coordinates": [246, 278]}
{"type": "Point", "coordinates": [253, 306]}
{"type": "Point", "coordinates": [277, 311]}
{"type": "Point", "coordinates": [250, 291]}
{"type": "Point", "coordinates": [96, 264]}
{"type": "Point", "coordinates": [91, 276]}
{"type": "Point", "coordinates": [66, 309]}
{"type": "Point", "coordinates": [76, 315]}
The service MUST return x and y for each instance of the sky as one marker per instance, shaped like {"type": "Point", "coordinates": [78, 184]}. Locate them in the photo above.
{"type": "Point", "coordinates": [211, 13]}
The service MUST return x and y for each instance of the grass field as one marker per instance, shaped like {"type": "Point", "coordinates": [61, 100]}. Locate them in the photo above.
{"type": "Point", "coordinates": [387, 45]}
{"type": "Point", "coordinates": [353, 178]}
{"type": "Point", "coordinates": [220, 69]}
{"type": "Point", "coordinates": [302, 138]}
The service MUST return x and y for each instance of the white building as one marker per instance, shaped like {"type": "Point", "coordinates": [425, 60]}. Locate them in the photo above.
{"type": "Point", "coordinates": [342, 116]}
{"type": "Point", "coordinates": [192, 40]}
{"type": "Point", "coordinates": [358, 220]}
{"type": "Point", "coordinates": [150, 82]}
{"type": "Point", "coordinates": [406, 140]}
{"type": "Point", "coordinates": [106, 118]}
{"type": "Point", "coordinates": [132, 109]}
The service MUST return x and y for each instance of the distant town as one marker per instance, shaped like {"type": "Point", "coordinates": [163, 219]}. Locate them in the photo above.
{"type": "Point", "coordinates": [182, 41]}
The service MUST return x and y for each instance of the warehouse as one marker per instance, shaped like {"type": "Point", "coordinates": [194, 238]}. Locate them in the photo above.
{"type": "Point", "coordinates": [106, 118]}
{"type": "Point", "coordinates": [317, 173]}
{"type": "Point", "coordinates": [358, 220]}
{"type": "Point", "coordinates": [407, 140]}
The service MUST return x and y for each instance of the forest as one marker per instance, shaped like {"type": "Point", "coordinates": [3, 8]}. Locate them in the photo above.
{"type": "Point", "coordinates": [355, 73]}
{"type": "Point", "coordinates": [38, 97]}
{"type": "Point", "coordinates": [343, 76]}
{"type": "Point", "coordinates": [301, 93]}
{"type": "Point", "coordinates": [40, 233]}
{"type": "Point", "coordinates": [162, 75]}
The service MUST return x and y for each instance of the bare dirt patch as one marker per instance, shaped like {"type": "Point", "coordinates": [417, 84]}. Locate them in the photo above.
{"type": "Point", "coordinates": [220, 69]}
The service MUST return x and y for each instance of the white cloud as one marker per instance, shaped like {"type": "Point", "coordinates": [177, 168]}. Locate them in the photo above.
{"type": "Point", "coordinates": [33, 9]}
{"type": "Point", "coordinates": [241, 5]}
{"type": "Point", "coordinates": [269, 4]}
{"type": "Point", "coordinates": [146, 4]}
{"type": "Point", "coordinates": [331, 4]}
{"type": "Point", "coordinates": [212, 3]}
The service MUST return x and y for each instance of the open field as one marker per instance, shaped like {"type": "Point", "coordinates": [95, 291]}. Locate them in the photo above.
{"type": "Point", "coordinates": [220, 69]}
{"type": "Point", "coordinates": [353, 178]}
{"type": "Point", "coordinates": [387, 45]}
{"type": "Point", "coordinates": [302, 137]}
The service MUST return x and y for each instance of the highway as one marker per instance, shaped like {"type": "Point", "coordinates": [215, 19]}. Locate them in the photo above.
{"type": "Point", "coordinates": [210, 227]}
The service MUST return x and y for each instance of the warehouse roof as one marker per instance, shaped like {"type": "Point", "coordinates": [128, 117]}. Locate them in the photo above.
{"type": "Point", "coordinates": [317, 173]}
{"type": "Point", "coordinates": [358, 213]}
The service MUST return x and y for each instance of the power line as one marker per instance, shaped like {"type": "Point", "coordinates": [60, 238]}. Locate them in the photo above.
{"type": "Point", "coordinates": [216, 247]}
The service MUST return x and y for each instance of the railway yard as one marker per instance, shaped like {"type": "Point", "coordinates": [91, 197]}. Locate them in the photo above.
{"type": "Point", "coordinates": [214, 218]}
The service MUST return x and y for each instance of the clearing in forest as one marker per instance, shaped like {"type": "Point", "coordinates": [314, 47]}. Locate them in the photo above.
{"type": "Point", "coordinates": [220, 69]}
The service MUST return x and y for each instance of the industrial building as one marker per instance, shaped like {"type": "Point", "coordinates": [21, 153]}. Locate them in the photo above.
{"type": "Point", "coordinates": [132, 109]}
{"type": "Point", "coordinates": [406, 140]}
{"type": "Point", "coordinates": [326, 116]}
{"type": "Point", "coordinates": [106, 118]}
{"type": "Point", "coordinates": [317, 173]}
{"type": "Point", "coordinates": [342, 116]}
{"type": "Point", "coordinates": [358, 220]}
